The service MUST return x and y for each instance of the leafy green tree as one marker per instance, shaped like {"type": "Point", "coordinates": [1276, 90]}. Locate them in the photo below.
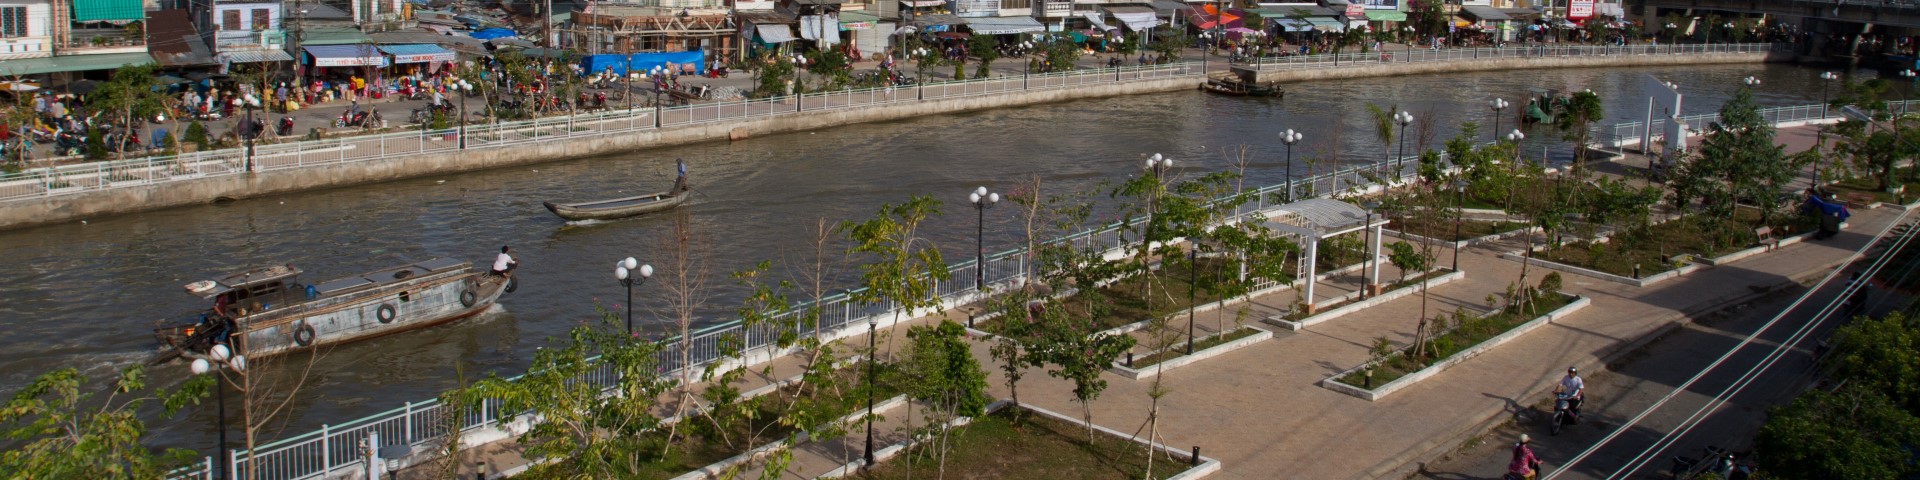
{"type": "Point", "coordinates": [1578, 111]}
{"type": "Point", "coordinates": [1877, 147]}
{"type": "Point", "coordinates": [1883, 355]}
{"type": "Point", "coordinates": [987, 49]}
{"type": "Point", "coordinates": [583, 430]}
{"type": "Point", "coordinates": [1737, 162]}
{"type": "Point", "coordinates": [1407, 258]}
{"type": "Point", "coordinates": [1168, 43]}
{"type": "Point", "coordinates": [1853, 433]}
{"type": "Point", "coordinates": [1428, 17]}
{"type": "Point", "coordinates": [1071, 350]}
{"type": "Point", "coordinates": [943, 375]}
{"type": "Point", "coordinates": [130, 95]}
{"type": "Point", "coordinates": [1061, 53]}
{"type": "Point", "coordinates": [1383, 129]}
{"type": "Point", "coordinates": [63, 432]}
{"type": "Point", "coordinates": [775, 77]}
{"type": "Point", "coordinates": [906, 267]}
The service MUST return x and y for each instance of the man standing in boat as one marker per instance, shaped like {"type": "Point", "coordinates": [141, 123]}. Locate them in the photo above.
{"type": "Point", "coordinates": [503, 263]}
{"type": "Point", "coordinates": [680, 183]}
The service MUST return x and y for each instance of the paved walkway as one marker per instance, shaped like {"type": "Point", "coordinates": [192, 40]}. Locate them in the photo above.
{"type": "Point", "coordinates": [1260, 411]}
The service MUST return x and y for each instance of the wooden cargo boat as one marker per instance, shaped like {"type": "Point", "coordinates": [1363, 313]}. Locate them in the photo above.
{"type": "Point", "coordinates": [267, 311]}
{"type": "Point", "coordinates": [1237, 88]}
{"type": "Point", "coordinates": [625, 207]}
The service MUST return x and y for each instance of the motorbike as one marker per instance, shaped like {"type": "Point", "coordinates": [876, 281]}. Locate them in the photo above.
{"type": "Point", "coordinates": [1714, 460]}
{"type": "Point", "coordinates": [286, 127]}
{"type": "Point", "coordinates": [1565, 412]}
{"type": "Point", "coordinates": [717, 72]}
{"type": "Point", "coordinates": [366, 119]}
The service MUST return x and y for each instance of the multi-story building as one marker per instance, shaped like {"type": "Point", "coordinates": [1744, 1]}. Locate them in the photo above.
{"type": "Point", "coordinates": [59, 40]}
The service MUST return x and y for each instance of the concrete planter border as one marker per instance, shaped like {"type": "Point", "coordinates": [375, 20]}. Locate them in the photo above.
{"type": "Point", "coordinates": [717, 469]}
{"type": "Point", "coordinates": [1735, 256]}
{"type": "Point", "coordinates": [1459, 244]}
{"type": "Point", "coordinates": [1377, 393]}
{"type": "Point", "coordinates": [1519, 256]}
{"type": "Point", "coordinates": [1206, 466]}
{"type": "Point", "coordinates": [1151, 371]}
{"type": "Point", "coordinates": [1350, 308]}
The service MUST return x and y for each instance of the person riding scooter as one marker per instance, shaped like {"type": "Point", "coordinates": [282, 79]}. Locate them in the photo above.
{"type": "Point", "coordinates": [1524, 464]}
{"type": "Point", "coordinates": [1575, 390]}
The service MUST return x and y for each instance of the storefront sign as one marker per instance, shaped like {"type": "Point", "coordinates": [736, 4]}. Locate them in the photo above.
{"type": "Point", "coordinates": [1356, 10]}
{"type": "Point", "coordinates": [1579, 10]}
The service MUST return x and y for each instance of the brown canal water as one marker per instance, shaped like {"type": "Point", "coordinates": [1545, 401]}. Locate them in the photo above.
{"type": "Point", "coordinates": [85, 295]}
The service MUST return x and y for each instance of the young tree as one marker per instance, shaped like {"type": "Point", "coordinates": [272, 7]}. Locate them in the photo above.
{"type": "Point", "coordinates": [1383, 129]}
{"type": "Point", "coordinates": [987, 49]}
{"type": "Point", "coordinates": [129, 95]}
{"type": "Point", "coordinates": [684, 273]}
{"type": "Point", "coordinates": [583, 431]}
{"type": "Point", "coordinates": [64, 432]}
{"type": "Point", "coordinates": [905, 267]}
{"type": "Point", "coordinates": [1737, 161]}
{"type": "Point", "coordinates": [945, 377]}
{"type": "Point", "coordinates": [1576, 113]}
{"type": "Point", "coordinates": [1075, 353]}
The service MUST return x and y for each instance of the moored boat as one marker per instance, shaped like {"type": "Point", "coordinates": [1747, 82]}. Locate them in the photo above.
{"type": "Point", "coordinates": [267, 311]}
{"type": "Point", "coordinates": [628, 206]}
{"type": "Point", "coordinates": [1237, 88]}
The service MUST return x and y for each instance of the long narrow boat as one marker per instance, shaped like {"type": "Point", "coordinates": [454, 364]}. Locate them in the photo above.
{"type": "Point", "coordinates": [266, 311]}
{"type": "Point", "coordinates": [625, 207]}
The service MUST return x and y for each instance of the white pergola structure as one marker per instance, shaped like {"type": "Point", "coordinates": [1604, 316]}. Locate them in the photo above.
{"type": "Point", "coordinates": [1316, 219]}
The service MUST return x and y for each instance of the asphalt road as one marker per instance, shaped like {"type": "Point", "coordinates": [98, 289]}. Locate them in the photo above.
{"type": "Point", "coordinates": [1635, 382]}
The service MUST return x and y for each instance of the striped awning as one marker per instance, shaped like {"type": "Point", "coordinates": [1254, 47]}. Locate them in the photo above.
{"type": "Point", "coordinates": [774, 33]}
{"type": "Point", "coordinates": [255, 56]}
{"type": "Point", "coordinates": [417, 53]}
{"type": "Point", "coordinates": [1003, 25]}
{"type": "Point", "coordinates": [346, 56]}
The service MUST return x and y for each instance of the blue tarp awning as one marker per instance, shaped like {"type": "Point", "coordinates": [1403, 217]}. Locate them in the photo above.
{"type": "Point", "coordinates": [643, 62]}
{"type": "Point", "coordinates": [492, 33]}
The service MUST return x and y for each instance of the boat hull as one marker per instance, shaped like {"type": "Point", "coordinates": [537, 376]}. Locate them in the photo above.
{"type": "Point", "coordinates": [421, 305]}
{"type": "Point", "coordinates": [616, 208]}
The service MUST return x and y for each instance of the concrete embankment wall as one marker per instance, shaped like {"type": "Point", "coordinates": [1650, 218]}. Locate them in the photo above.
{"type": "Point", "coordinates": [71, 207]}
{"type": "Point", "coordinates": [83, 205]}
{"type": "Point", "coordinates": [1388, 69]}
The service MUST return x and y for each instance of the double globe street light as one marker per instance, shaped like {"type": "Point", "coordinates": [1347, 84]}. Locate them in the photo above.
{"type": "Point", "coordinates": [1403, 118]}
{"type": "Point", "coordinates": [1289, 138]}
{"type": "Point", "coordinates": [1498, 104]}
{"type": "Point", "coordinates": [220, 360]}
{"type": "Point", "coordinates": [462, 88]}
{"type": "Point", "coordinates": [624, 270]}
{"type": "Point", "coordinates": [247, 129]}
{"type": "Point", "coordinates": [982, 200]}
{"type": "Point", "coordinates": [1826, 90]}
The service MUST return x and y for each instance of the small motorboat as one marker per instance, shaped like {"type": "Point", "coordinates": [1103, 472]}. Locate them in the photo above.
{"type": "Point", "coordinates": [266, 311]}
{"type": "Point", "coordinates": [1238, 88]}
{"type": "Point", "coordinates": [626, 207]}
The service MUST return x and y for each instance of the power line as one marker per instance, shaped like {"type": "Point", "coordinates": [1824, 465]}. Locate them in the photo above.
{"type": "Point", "coordinates": [1667, 439]}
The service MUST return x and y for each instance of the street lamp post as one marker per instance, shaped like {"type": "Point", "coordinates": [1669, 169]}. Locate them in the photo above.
{"type": "Point", "coordinates": [1498, 104]}
{"type": "Point", "coordinates": [1372, 274]}
{"type": "Point", "coordinates": [1290, 137]}
{"type": "Point", "coordinates": [1515, 137]}
{"type": "Point", "coordinates": [1403, 118]}
{"type": "Point", "coordinates": [873, 326]}
{"type": "Point", "coordinates": [462, 88]}
{"type": "Point", "coordinates": [1459, 214]}
{"type": "Point", "coordinates": [220, 360]}
{"type": "Point", "coordinates": [1908, 76]}
{"type": "Point", "coordinates": [623, 270]}
{"type": "Point", "coordinates": [1825, 89]}
{"type": "Point", "coordinates": [981, 202]}
{"type": "Point", "coordinates": [248, 102]}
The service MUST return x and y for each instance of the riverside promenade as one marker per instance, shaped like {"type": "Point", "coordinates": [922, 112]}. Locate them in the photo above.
{"type": "Point", "coordinates": [67, 193]}
{"type": "Point", "coordinates": [1261, 412]}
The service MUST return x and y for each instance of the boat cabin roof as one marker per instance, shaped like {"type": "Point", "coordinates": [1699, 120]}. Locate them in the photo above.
{"type": "Point", "coordinates": [243, 279]}
{"type": "Point", "coordinates": [387, 277]}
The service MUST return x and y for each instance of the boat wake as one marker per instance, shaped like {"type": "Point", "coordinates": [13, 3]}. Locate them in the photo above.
{"type": "Point", "coordinates": [582, 223]}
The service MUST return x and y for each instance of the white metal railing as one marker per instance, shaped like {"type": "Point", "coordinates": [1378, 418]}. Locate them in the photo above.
{"type": "Point", "coordinates": [1631, 133]}
{"type": "Point", "coordinates": [1419, 55]}
{"type": "Point", "coordinates": [336, 448]}
{"type": "Point", "coordinates": [38, 184]}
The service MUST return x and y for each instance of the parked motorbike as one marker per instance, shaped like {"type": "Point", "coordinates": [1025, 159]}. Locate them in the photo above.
{"type": "Point", "coordinates": [717, 72]}
{"type": "Point", "coordinates": [286, 127]}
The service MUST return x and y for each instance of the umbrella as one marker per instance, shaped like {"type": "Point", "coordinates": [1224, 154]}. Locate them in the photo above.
{"type": "Point", "coordinates": [82, 87]}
